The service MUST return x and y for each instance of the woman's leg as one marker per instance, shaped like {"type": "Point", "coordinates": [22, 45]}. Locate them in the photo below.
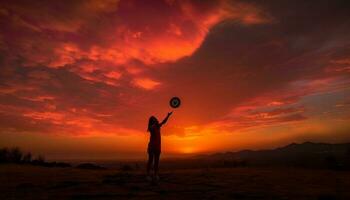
{"type": "Point", "coordinates": [156, 163]}
{"type": "Point", "coordinates": [149, 163]}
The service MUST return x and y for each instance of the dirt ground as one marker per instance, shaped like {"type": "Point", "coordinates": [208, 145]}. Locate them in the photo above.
{"type": "Point", "coordinates": [29, 182]}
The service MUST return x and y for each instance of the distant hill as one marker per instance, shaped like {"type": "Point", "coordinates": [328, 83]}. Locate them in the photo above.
{"type": "Point", "coordinates": [307, 154]}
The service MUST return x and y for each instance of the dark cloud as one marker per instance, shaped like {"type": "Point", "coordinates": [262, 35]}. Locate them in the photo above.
{"type": "Point", "coordinates": [236, 63]}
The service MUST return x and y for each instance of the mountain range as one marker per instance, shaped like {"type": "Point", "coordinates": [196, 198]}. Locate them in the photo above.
{"type": "Point", "coordinates": [307, 154]}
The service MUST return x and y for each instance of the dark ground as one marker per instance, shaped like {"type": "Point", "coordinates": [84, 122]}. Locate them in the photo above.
{"type": "Point", "coordinates": [30, 182]}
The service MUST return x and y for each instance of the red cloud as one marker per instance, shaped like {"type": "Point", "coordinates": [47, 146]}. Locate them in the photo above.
{"type": "Point", "coordinates": [145, 83]}
{"type": "Point", "coordinates": [132, 29]}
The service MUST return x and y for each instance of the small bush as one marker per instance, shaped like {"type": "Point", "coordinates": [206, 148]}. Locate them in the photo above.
{"type": "Point", "coordinates": [62, 164]}
{"type": "Point", "coordinates": [89, 166]}
{"type": "Point", "coordinates": [40, 160]}
{"type": "Point", "coordinates": [126, 167]}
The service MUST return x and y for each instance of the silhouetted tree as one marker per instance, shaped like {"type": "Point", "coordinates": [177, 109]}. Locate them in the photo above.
{"type": "Point", "coordinates": [4, 155]}
{"type": "Point", "coordinates": [15, 155]}
{"type": "Point", "coordinates": [27, 158]}
{"type": "Point", "coordinates": [41, 159]}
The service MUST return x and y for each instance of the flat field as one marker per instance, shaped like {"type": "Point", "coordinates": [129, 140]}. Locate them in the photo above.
{"type": "Point", "coordinates": [30, 182]}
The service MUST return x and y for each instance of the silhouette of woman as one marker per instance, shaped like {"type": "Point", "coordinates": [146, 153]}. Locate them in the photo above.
{"type": "Point", "coordinates": [154, 145]}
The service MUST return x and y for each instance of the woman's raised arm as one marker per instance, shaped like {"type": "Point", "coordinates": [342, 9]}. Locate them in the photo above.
{"type": "Point", "coordinates": [166, 119]}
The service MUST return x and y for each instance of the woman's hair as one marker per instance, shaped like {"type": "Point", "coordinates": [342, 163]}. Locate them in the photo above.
{"type": "Point", "coordinates": [152, 120]}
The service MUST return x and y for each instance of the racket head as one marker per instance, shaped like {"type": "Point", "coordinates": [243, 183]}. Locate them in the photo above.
{"type": "Point", "coordinates": [175, 102]}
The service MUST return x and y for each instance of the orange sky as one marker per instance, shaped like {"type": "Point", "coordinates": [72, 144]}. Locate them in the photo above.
{"type": "Point", "coordinates": [79, 79]}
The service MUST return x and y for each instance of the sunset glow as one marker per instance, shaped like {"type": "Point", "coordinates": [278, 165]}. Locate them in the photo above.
{"type": "Point", "coordinates": [80, 79]}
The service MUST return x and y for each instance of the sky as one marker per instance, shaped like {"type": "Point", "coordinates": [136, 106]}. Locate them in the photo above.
{"type": "Point", "coordinates": [79, 79]}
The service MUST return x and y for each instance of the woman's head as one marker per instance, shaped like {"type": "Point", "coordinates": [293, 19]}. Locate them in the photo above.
{"type": "Point", "coordinates": [152, 120]}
